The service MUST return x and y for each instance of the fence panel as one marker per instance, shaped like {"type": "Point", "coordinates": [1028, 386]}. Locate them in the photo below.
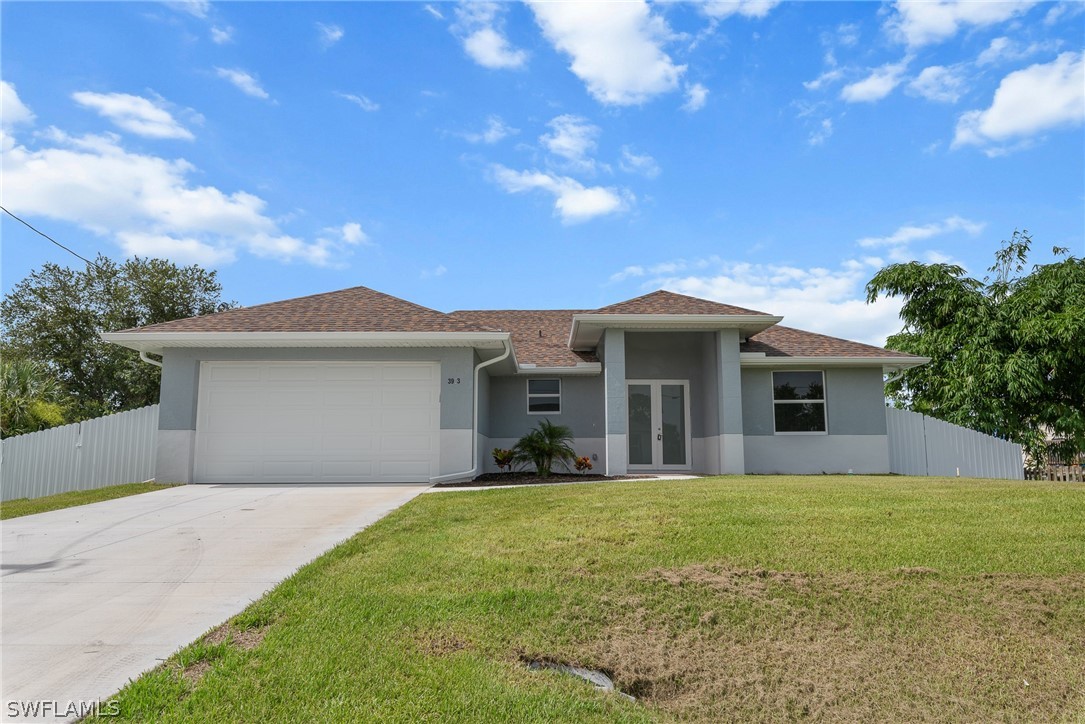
{"type": "Point", "coordinates": [921, 445]}
{"type": "Point", "coordinates": [85, 455]}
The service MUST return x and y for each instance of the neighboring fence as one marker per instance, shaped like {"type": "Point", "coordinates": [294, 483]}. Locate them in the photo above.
{"type": "Point", "coordinates": [921, 445]}
{"type": "Point", "coordinates": [94, 453]}
{"type": "Point", "coordinates": [1060, 473]}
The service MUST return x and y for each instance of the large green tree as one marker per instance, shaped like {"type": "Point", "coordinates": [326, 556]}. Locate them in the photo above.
{"type": "Point", "coordinates": [30, 398]}
{"type": "Point", "coordinates": [56, 314]}
{"type": "Point", "coordinates": [1007, 351]}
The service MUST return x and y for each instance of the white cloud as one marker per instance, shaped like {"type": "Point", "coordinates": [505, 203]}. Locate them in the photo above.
{"type": "Point", "coordinates": [352, 233]}
{"type": "Point", "coordinates": [572, 138]}
{"type": "Point", "coordinates": [922, 22]}
{"type": "Point", "coordinates": [496, 130]}
{"type": "Point", "coordinates": [1038, 98]}
{"type": "Point", "coordinates": [640, 163]}
{"type": "Point", "coordinates": [696, 97]}
{"type": "Point", "coordinates": [437, 271]}
{"type": "Point", "coordinates": [1004, 49]}
{"type": "Point", "coordinates": [847, 34]}
{"type": "Point", "coordinates": [220, 35]}
{"type": "Point", "coordinates": [877, 85]}
{"type": "Point", "coordinates": [828, 301]}
{"type": "Point", "coordinates": [746, 8]}
{"type": "Point", "coordinates": [433, 11]}
{"type": "Point", "coordinates": [899, 241]}
{"type": "Point", "coordinates": [361, 101]}
{"type": "Point", "coordinates": [329, 35]}
{"type": "Point", "coordinates": [822, 133]}
{"type": "Point", "coordinates": [573, 202]}
{"type": "Point", "coordinates": [939, 83]}
{"type": "Point", "coordinates": [830, 76]}
{"type": "Point", "coordinates": [616, 48]}
{"type": "Point", "coordinates": [146, 204]}
{"type": "Point", "coordinates": [480, 25]}
{"type": "Point", "coordinates": [195, 8]}
{"type": "Point", "coordinates": [243, 81]}
{"type": "Point", "coordinates": [161, 246]}
{"type": "Point", "coordinates": [134, 114]}
{"type": "Point", "coordinates": [1063, 11]}
{"type": "Point", "coordinates": [12, 110]}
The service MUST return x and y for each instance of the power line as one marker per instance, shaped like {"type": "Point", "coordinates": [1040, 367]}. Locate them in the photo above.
{"type": "Point", "coordinates": [43, 234]}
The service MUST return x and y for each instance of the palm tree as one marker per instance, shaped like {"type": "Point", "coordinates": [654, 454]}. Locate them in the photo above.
{"type": "Point", "coordinates": [30, 398]}
{"type": "Point", "coordinates": [545, 445]}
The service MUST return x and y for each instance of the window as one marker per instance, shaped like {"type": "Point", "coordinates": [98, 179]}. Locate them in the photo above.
{"type": "Point", "coordinates": [798, 402]}
{"type": "Point", "coordinates": [544, 397]}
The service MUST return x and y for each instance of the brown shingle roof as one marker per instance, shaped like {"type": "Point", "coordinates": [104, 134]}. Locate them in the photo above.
{"type": "Point", "coordinates": [780, 341]}
{"type": "Point", "coordinates": [664, 302]}
{"type": "Point", "coordinates": [540, 337]}
{"type": "Point", "coordinates": [358, 309]}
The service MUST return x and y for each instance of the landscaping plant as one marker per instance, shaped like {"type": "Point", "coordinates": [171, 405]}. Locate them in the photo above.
{"type": "Point", "coordinates": [544, 446]}
{"type": "Point", "coordinates": [503, 459]}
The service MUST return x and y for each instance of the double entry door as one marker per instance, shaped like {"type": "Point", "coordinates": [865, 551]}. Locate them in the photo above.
{"type": "Point", "coordinates": [659, 435]}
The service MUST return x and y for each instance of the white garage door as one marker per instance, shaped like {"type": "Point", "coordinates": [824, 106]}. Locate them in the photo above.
{"type": "Point", "coordinates": [317, 422]}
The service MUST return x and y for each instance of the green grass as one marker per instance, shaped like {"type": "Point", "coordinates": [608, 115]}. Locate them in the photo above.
{"type": "Point", "coordinates": [745, 598]}
{"type": "Point", "coordinates": [29, 506]}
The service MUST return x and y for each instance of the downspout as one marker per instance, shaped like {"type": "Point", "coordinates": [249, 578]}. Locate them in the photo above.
{"type": "Point", "coordinates": [474, 419]}
{"type": "Point", "coordinates": [143, 356]}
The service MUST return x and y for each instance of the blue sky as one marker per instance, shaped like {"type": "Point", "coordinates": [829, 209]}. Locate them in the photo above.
{"type": "Point", "coordinates": [771, 155]}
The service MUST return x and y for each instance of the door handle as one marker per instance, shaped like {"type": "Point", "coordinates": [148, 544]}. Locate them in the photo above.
{"type": "Point", "coordinates": [659, 436]}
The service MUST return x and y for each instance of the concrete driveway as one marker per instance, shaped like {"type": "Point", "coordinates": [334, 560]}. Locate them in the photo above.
{"type": "Point", "coordinates": [95, 595]}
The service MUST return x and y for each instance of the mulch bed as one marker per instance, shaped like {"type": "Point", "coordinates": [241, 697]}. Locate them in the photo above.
{"type": "Point", "coordinates": [530, 478]}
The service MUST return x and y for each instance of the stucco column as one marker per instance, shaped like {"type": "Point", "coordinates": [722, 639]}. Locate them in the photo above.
{"type": "Point", "coordinates": [729, 387]}
{"type": "Point", "coordinates": [617, 419]}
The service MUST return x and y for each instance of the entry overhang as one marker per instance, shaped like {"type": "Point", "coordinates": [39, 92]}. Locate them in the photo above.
{"type": "Point", "coordinates": [588, 328]}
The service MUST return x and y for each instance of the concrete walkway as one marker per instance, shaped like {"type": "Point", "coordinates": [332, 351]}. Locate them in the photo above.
{"type": "Point", "coordinates": [93, 596]}
{"type": "Point", "coordinates": [661, 476]}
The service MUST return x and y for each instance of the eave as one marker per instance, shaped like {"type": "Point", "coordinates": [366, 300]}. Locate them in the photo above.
{"type": "Point", "coordinates": [588, 328]}
{"type": "Point", "coordinates": [157, 342]}
{"type": "Point", "coordinates": [888, 364]}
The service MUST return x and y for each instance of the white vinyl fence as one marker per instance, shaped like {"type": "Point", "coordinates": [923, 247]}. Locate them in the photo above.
{"type": "Point", "coordinates": [91, 454]}
{"type": "Point", "coordinates": [921, 445]}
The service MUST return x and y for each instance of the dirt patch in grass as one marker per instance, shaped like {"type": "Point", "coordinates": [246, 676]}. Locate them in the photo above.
{"type": "Point", "coordinates": [528, 478]}
{"type": "Point", "coordinates": [195, 671]}
{"type": "Point", "coordinates": [752, 644]}
{"type": "Point", "coordinates": [245, 639]}
{"type": "Point", "coordinates": [441, 644]}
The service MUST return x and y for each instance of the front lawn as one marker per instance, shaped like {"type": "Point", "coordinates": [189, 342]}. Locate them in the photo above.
{"type": "Point", "coordinates": [30, 506]}
{"type": "Point", "coordinates": [720, 599]}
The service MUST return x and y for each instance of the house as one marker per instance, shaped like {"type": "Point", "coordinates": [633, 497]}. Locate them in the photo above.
{"type": "Point", "coordinates": [360, 386]}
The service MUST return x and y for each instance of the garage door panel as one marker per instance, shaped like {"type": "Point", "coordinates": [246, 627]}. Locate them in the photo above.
{"type": "Point", "coordinates": [357, 373]}
{"type": "Point", "coordinates": [318, 422]}
{"type": "Point", "coordinates": [414, 469]}
{"type": "Point", "coordinates": [238, 373]}
{"type": "Point", "coordinates": [405, 443]}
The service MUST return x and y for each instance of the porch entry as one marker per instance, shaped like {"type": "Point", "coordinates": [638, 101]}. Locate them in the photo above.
{"type": "Point", "coordinates": [659, 430]}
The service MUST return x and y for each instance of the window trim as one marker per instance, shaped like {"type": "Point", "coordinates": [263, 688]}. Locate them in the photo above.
{"type": "Point", "coordinates": [823, 402]}
{"type": "Point", "coordinates": [542, 396]}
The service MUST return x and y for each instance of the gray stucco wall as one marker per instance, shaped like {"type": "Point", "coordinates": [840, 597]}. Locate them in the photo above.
{"type": "Point", "coordinates": [675, 356]}
{"type": "Point", "coordinates": [582, 407]}
{"type": "Point", "coordinates": [181, 375]}
{"type": "Point", "coordinates": [484, 397]}
{"type": "Point", "coordinates": [854, 401]}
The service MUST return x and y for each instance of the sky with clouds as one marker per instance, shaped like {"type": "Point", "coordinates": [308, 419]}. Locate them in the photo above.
{"type": "Point", "coordinates": [542, 155]}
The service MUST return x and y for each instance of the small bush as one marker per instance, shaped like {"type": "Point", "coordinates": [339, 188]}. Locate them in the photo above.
{"type": "Point", "coordinates": [545, 445]}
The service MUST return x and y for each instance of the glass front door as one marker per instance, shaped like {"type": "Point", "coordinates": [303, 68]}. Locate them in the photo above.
{"type": "Point", "coordinates": [658, 424]}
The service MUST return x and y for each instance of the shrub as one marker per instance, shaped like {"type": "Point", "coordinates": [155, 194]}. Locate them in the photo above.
{"type": "Point", "coordinates": [503, 459]}
{"type": "Point", "coordinates": [582, 464]}
{"type": "Point", "coordinates": [545, 445]}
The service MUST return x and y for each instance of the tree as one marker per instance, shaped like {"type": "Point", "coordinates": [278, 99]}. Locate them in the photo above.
{"type": "Point", "coordinates": [1007, 351]}
{"type": "Point", "coordinates": [545, 445]}
{"type": "Point", "coordinates": [56, 314]}
{"type": "Point", "coordinates": [30, 399]}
